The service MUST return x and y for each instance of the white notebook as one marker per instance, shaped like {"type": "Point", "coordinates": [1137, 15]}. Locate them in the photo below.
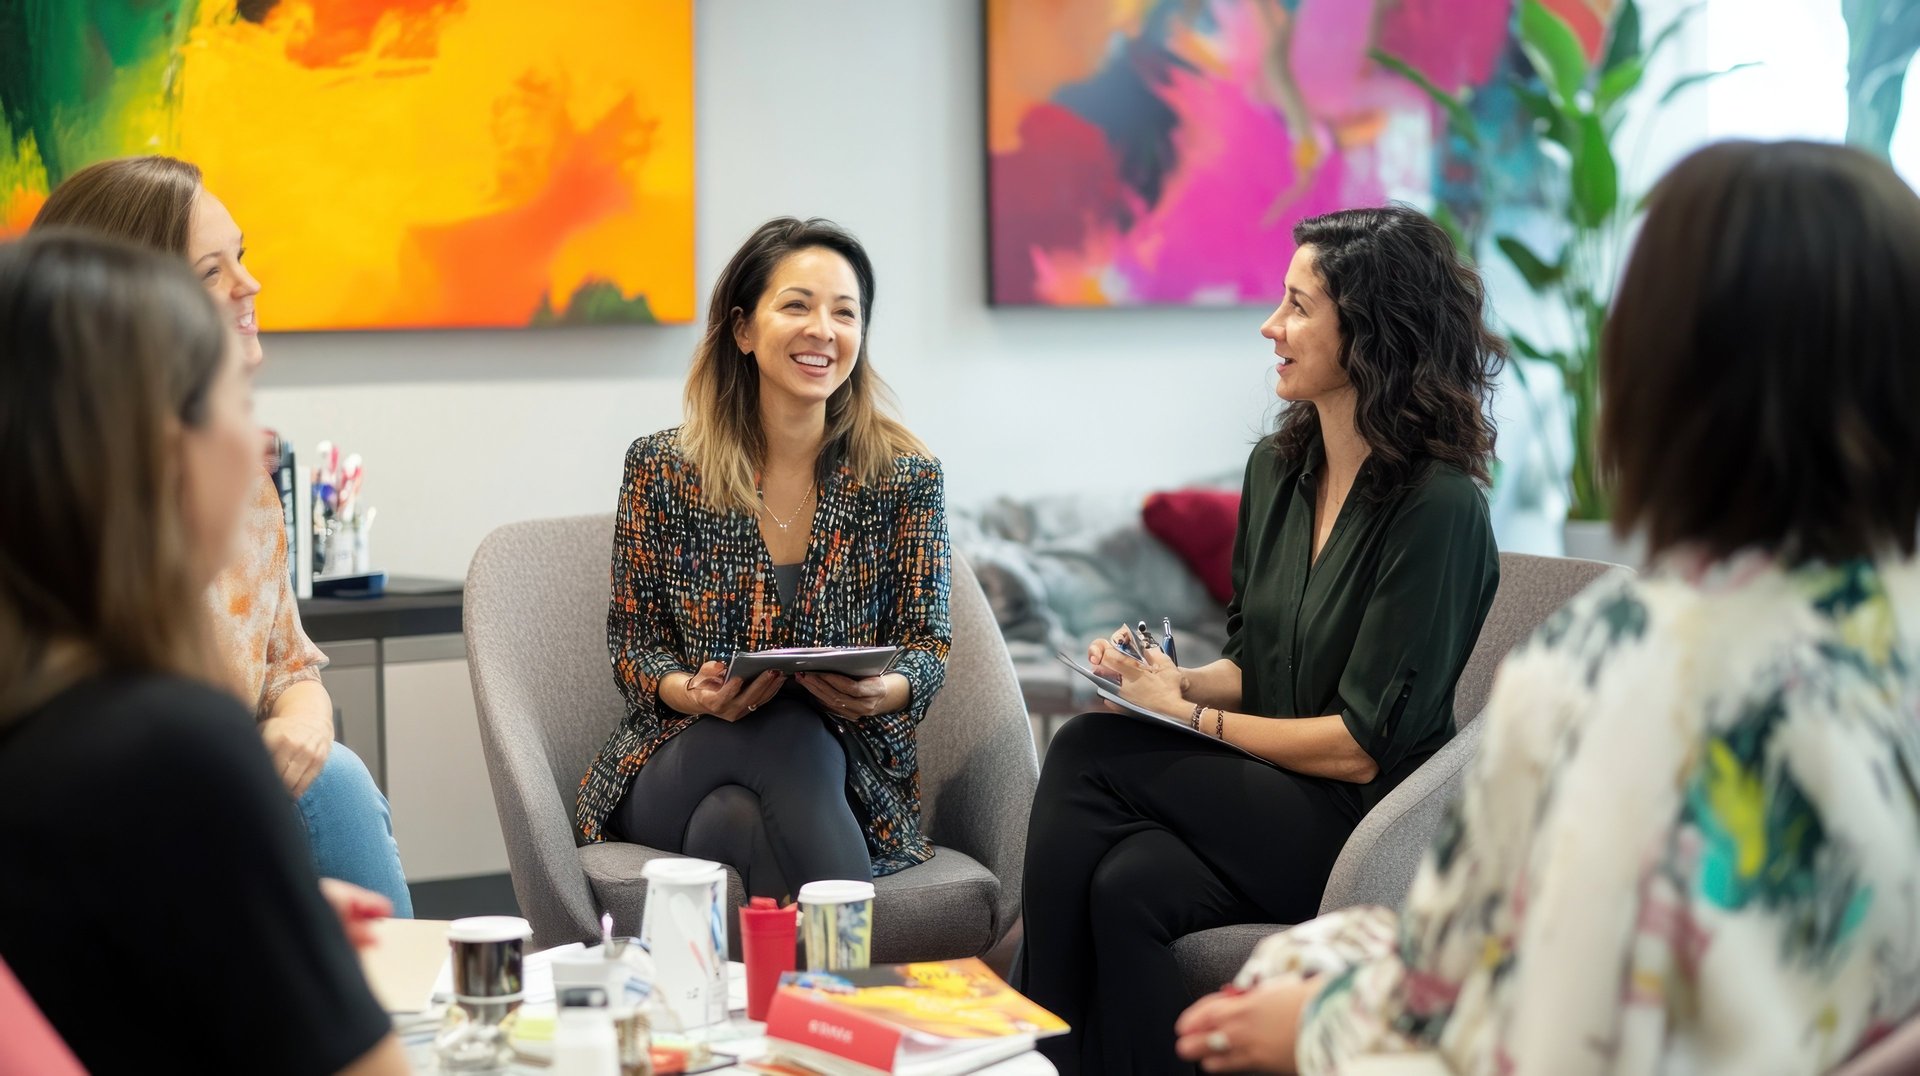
{"type": "Point", "coordinates": [858, 662]}
{"type": "Point", "coordinates": [1106, 689]}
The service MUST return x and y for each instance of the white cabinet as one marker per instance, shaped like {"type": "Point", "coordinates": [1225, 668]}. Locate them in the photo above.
{"type": "Point", "coordinates": [405, 706]}
{"type": "Point", "coordinates": [352, 679]}
{"type": "Point", "coordinates": [436, 776]}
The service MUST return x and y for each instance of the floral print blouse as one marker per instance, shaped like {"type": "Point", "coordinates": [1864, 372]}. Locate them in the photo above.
{"type": "Point", "coordinates": [692, 584]}
{"type": "Point", "coordinates": [256, 619]}
{"type": "Point", "coordinates": [1691, 843]}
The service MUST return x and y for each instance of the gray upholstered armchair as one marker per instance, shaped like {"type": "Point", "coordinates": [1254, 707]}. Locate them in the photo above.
{"type": "Point", "coordinates": [1377, 864]}
{"type": "Point", "coordinates": [536, 608]}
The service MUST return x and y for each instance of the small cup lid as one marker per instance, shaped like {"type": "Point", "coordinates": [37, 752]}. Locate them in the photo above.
{"type": "Point", "coordinates": [836, 892]}
{"type": "Point", "coordinates": [682, 871]}
{"type": "Point", "coordinates": [489, 928]}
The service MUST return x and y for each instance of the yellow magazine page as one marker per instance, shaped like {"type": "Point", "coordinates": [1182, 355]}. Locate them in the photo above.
{"type": "Point", "coordinates": [951, 999]}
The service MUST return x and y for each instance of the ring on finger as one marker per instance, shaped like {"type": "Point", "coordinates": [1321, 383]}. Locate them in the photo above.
{"type": "Point", "coordinates": [1217, 1042]}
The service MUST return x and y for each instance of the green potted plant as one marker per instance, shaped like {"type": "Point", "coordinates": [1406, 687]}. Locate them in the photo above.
{"type": "Point", "coordinates": [1577, 103]}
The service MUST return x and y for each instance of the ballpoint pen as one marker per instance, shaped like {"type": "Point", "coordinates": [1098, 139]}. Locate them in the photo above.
{"type": "Point", "coordinates": [1146, 639]}
{"type": "Point", "coordinates": [1166, 640]}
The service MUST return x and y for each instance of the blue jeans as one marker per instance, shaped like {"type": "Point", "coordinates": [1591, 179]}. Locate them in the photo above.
{"type": "Point", "coordinates": [350, 828]}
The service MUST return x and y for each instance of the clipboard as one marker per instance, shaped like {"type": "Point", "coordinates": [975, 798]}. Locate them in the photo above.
{"type": "Point", "coordinates": [1105, 688]}
{"type": "Point", "coordinates": [858, 662]}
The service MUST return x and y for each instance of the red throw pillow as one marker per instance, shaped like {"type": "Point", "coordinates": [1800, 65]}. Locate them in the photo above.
{"type": "Point", "coordinates": [1198, 525]}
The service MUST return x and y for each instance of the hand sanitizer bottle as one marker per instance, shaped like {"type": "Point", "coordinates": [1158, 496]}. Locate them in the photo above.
{"type": "Point", "coordinates": [583, 1040]}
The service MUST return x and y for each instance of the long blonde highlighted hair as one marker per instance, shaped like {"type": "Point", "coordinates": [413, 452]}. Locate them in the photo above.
{"type": "Point", "coordinates": [722, 435]}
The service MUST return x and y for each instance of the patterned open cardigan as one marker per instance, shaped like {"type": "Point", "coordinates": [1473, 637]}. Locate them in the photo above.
{"type": "Point", "coordinates": [692, 584]}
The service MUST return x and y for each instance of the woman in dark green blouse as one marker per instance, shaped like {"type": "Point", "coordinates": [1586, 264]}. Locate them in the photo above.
{"type": "Point", "coordinates": [1363, 567]}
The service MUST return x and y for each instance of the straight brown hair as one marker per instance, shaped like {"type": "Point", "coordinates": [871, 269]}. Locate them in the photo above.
{"type": "Point", "coordinates": [722, 433]}
{"type": "Point", "coordinates": [143, 200]}
{"type": "Point", "coordinates": [1760, 369]}
{"type": "Point", "coordinates": [106, 352]}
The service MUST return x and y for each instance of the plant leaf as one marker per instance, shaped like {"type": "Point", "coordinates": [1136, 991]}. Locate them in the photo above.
{"type": "Point", "coordinates": [1525, 347]}
{"type": "Point", "coordinates": [1541, 107]}
{"type": "Point", "coordinates": [1595, 178]}
{"type": "Point", "coordinates": [1680, 86]}
{"type": "Point", "coordinates": [1553, 49]}
{"type": "Point", "coordinates": [1623, 41]}
{"type": "Point", "coordinates": [1459, 119]}
{"type": "Point", "coordinates": [1617, 84]}
{"type": "Point", "coordinates": [1538, 273]}
{"type": "Point", "coordinates": [1666, 32]}
{"type": "Point", "coordinates": [1446, 219]}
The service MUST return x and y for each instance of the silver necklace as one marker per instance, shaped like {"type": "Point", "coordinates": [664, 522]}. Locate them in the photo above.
{"type": "Point", "coordinates": [788, 522]}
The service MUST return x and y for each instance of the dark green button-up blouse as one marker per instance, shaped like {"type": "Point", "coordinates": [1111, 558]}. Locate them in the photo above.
{"type": "Point", "coordinates": [1379, 629]}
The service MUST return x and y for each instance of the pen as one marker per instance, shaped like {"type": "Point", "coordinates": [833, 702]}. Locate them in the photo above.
{"type": "Point", "coordinates": [1166, 627]}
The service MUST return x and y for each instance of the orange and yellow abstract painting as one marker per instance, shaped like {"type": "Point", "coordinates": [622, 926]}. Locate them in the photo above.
{"type": "Point", "coordinates": [398, 164]}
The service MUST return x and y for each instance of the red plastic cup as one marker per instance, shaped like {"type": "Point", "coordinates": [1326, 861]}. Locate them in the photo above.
{"type": "Point", "coordinates": [767, 933]}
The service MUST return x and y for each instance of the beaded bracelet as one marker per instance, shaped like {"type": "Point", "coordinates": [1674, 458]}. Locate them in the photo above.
{"type": "Point", "coordinates": [1219, 724]}
{"type": "Point", "coordinates": [1199, 711]}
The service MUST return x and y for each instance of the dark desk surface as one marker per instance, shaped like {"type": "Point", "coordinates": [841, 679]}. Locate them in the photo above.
{"type": "Point", "coordinates": [410, 606]}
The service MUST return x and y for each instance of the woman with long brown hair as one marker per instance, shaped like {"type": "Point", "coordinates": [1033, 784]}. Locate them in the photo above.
{"type": "Point", "coordinates": [158, 894]}
{"type": "Point", "coordinates": [789, 510]}
{"type": "Point", "coordinates": [1362, 569]}
{"type": "Point", "coordinates": [160, 203]}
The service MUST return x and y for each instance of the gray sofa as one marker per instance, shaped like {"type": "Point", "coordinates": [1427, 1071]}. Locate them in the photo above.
{"type": "Point", "coordinates": [1059, 571]}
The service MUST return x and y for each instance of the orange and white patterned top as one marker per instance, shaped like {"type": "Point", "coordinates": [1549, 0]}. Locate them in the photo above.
{"type": "Point", "coordinates": [256, 619]}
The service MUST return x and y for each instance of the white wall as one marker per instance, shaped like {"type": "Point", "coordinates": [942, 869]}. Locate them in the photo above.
{"type": "Point", "coordinates": [866, 111]}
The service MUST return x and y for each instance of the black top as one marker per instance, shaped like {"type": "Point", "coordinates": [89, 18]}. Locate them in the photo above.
{"type": "Point", "coordinates": [159, 903]}
{"type": "Point", "coordinates": [786, 580]}
{"type": "Point", "coordinates": [1379, 629]}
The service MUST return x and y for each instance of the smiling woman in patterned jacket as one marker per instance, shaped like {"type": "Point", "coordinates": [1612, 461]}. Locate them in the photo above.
{"type": "Point", "coordinates": [790, 510]}
{"type": "Point", "coordinates": [1691, 842]}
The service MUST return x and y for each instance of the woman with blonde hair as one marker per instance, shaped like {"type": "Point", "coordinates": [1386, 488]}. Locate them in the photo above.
{"type": "Point", "coordinates": [789, 510]}
{"type": "Point", "coordinates": [160, 203]}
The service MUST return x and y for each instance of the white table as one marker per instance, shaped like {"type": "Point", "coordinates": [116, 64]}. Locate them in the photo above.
{"type": "Point", "coordinates": [739, 1036]}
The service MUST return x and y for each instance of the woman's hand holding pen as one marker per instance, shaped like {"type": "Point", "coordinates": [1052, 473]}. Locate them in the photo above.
{"type": "Point", "coordinates": [708, 691]}
{"type": "Point", "coordinates": [1151, 681]}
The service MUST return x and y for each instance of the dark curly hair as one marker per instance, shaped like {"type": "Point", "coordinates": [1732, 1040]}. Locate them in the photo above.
{"type": "Point", "coordinates": [1413, 341]}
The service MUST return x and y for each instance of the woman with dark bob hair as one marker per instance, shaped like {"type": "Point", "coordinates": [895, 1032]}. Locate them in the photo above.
{"type": "Point", "coordinates": [1363, 566]}
{"type": "Point", "coordinates": [1692, 840]}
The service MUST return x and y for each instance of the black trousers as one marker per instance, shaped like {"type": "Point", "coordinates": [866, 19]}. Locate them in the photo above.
{"type": "Point", "coordinates": [766, 795]}
{"type": "Point", "coordinates": [1141, 835]}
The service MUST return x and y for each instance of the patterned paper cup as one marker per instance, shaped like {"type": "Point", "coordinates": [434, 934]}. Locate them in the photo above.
{"type": "Point", "coordinates": [837, 921]}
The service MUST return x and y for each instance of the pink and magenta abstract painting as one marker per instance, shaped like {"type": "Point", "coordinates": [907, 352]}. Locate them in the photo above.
{"type": "Point", "coordinates": [1148, 152]}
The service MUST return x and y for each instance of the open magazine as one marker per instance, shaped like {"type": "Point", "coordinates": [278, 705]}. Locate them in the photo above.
{"type": "Point", "coordinates": [927, 1019]}
{"type": "Point", "coordinates": [1107, 689]}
